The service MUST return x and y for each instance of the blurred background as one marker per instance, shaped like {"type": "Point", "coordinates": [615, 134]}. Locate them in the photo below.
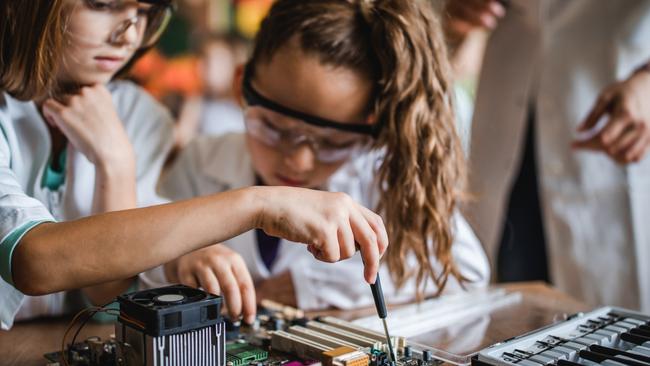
{"type": "Point", "coordinates": [192, 68]}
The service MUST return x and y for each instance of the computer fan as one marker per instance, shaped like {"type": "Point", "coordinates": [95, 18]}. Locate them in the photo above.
{"type": "Point", "coordinates": [169, 310]}
{"type": "Point", "coordinates": [173, 325]}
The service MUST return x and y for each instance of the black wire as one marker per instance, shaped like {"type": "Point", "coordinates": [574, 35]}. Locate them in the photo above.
{"type": "Point", "coordinates": [102, 308]}
{"type": "Point", "coordinates": [90, 316]}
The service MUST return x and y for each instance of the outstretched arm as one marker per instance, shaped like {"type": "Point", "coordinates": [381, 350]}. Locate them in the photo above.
{"type": "Point", "coordinates": [60, 256]}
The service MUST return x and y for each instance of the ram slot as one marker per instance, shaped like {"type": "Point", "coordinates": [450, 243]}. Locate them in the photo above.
{"type": "Point", "coordinates": [322, 338]}
{"type": "Point", "coordinates": [300, 346]}
{"type": "Point", "coordinates": [358, 340]}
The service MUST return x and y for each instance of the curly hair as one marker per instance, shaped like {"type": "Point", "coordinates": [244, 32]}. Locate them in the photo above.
{"type": "Point", "coordinates": [399, 46]}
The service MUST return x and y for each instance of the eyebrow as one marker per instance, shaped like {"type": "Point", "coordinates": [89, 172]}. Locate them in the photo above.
{"type": "Point", "coordinates": [254, 98]}
{"type": "Point", "coordinates": [156, 2]}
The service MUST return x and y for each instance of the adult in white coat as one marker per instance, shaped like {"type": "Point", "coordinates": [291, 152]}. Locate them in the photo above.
{"type": "Point", "coordinates": [216, 164]}
{"type": "Point", "coordinates": [567, 64]}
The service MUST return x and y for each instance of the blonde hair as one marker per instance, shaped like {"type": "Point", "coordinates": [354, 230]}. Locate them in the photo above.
{"type": "Point", "coordinates": [398, 45]}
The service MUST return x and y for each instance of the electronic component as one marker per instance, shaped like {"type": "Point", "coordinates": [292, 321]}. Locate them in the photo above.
{"type": "Point", "coordinates": [94, 352]}
{"type": "Point", "coordinates": [174, 325]}
{"type": "Point", "coordinates": [178, 325]}
{"type": "Point", "coordinates": [607, 336]}
{"type": "Point", "coordinates": [345, 356]}
{"type": "Point", "coordinates": [241, 353]}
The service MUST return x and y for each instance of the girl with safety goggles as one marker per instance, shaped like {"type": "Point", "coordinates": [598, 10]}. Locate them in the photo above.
{"type": "Point", "coordinates": [80, 150]}
{"type": "Point", "coordinates": [347, 96]}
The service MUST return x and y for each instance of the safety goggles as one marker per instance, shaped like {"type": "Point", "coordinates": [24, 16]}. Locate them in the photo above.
{"type": "Point", "coordinates": [150, 20]}
{"type": "Point", "coordinates": [281, 127]}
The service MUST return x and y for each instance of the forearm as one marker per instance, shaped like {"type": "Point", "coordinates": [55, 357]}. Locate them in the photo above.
{"type": "Point", "coordinates": [115, 189]}
{"type": "Point", "coordinates": [61, 256]}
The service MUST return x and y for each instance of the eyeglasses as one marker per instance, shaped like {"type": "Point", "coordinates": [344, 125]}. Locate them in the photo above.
{"type": "Point", "coordinates": [286, 133]}
{"type": "Point", "coordinates": [150, 20]}
{"type": "Point", "coordinates": [278, 126]}
{"type": "Point", "coordinates": [254, 98]}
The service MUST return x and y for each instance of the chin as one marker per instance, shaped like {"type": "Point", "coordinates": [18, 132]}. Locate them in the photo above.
{"type": "Point", "coordinates": [95, 78]}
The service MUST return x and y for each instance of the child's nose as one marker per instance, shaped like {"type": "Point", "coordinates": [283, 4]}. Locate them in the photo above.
{"type": "Point", "coordinates": [301, 158]}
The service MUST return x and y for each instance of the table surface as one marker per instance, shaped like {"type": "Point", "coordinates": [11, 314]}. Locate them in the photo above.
{"type": "Point", "coordinates": [540, 305]}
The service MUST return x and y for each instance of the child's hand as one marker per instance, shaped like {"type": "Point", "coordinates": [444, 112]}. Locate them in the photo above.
{"type": "Point", "coordinates": [221, 271]}
{"type": "Point", "coordinates": [331, 224]}
{"type": "Point", "coordinates": [91, 124]}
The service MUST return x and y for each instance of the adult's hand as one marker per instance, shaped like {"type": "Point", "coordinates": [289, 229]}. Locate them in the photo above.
{"type": "Point", "coordinates": [464, 16]}
{"type": "Point", "coordinates": [626, 135]}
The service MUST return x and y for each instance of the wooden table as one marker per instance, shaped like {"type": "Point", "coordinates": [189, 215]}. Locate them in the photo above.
{"type": "Point", "coordinates": [26, 343]}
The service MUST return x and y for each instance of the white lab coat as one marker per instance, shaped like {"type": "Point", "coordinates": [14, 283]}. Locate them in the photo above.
{"type": "Point", "coordinates": [24, 153]}
{"type": "Point", "coordinates": [215, 164]}
{"type": "Point", "coordinates": [559, 55]}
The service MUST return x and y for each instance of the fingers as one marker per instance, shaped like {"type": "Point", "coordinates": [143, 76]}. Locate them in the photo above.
{"type": "Point", "coordinates": [367, 239]}
{"type": "Point", "coordinates": [636, 151]}
{"type": "Point", "coordinates": [328, 248]}
{"type": "Point", "coordinates": [247, 289]}
{"type": "Point", "coordinates": [208, 280]}
{"type": "Point", "coordinates": [377, 224]}
{"type": "Point", "coordinates": [52, 111]}
{"type": "Point", "coordinates": [598, 110]}
{"type": "Point", "coordinates": [188, 279]}
{"type": "Point", "coordinates": [476, 13]}
{"type": "Point", "coordinates": [221, 271]}
{"type": "Point", "coordinates": [626, 139]}
{"type": "Point", "coordinates": [346, 242]}
{"type": "Point", "coordinates": [230, 289]}
{"type": "Point", "coordinates": [623, 139]}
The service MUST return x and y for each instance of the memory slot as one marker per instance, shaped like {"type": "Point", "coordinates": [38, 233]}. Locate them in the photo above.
{"type": "Point", "coordinates": [358, 340]}
{"type": "Point", "coordinates": [321, 338]}
{"type": "Point", "coordinates": [349, 327]}
{"type": "Point", "coordinates": [302, 347]}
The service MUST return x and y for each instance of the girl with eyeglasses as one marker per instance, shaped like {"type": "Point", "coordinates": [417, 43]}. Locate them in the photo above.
{"type": "Point", "coordinates": [345, 96]}
{"type": "Point", "coordinates": [80, 150]}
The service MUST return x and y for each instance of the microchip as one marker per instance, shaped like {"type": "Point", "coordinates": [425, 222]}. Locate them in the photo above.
{"type": "Point", "coordinates": [239, 354]}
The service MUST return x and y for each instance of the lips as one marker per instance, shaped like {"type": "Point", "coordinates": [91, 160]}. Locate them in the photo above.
{"type": "Point", "coordinates": [110, 63]}
{"type": "Point", "coordinates": [291, 182]}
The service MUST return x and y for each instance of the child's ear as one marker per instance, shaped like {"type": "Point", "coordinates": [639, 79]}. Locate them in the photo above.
{"type": "Point", "coordinates": [237, 84]}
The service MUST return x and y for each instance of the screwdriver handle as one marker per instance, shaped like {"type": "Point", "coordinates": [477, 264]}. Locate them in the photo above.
{"type": "Point", "coordinates": [378, 296]}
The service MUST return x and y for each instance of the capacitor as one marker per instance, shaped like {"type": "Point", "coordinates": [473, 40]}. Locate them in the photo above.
{"type": "Point", "coordinates": [407, 352]}
{"type": "Point", "coordinates": [426, 355]}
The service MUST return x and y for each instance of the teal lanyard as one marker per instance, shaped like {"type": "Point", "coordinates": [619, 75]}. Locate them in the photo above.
{"type": "Point", "coordinates": [54, 178]}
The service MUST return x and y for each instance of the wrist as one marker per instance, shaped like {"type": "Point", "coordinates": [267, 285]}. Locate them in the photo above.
{"type": "Point", "coordinates": [257, 199]}
{"type": "Point", "coordinates": [119, 164]}
{"type": "Point", "coordinates": [170, 270]}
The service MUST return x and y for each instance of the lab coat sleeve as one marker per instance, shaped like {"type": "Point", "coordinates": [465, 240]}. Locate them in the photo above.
{"type": "Point", "coordinates": [18, 214]}
{"type": "Point", "coordinates": [319, 285]}
{"type": "Point", "coordinates": [150, 128]}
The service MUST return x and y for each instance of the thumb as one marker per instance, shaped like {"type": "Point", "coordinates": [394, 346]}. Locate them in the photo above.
{"type": "Point", "coordinates": [598, 110]}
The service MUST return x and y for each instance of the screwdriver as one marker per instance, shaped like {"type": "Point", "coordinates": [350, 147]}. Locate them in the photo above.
{"type": "Point", "coordinates": [380, 304]}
